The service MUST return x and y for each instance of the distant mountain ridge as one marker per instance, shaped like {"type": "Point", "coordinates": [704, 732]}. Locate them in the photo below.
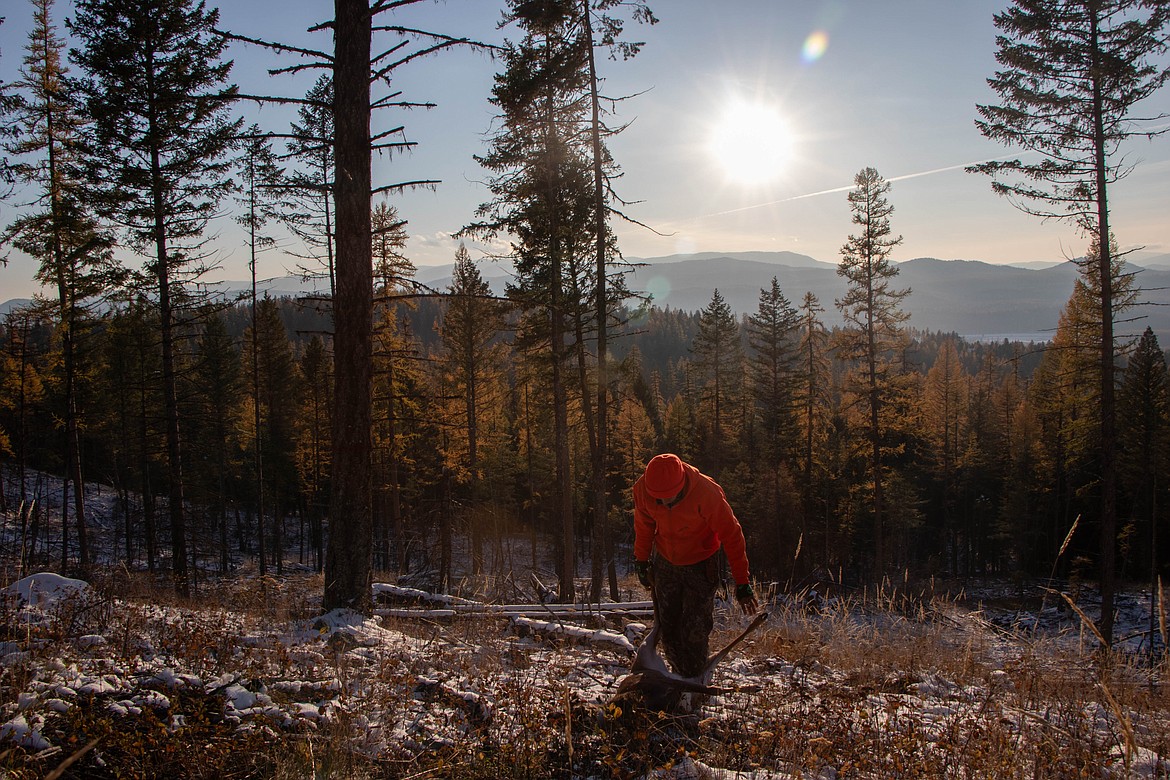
{"type": "Point", "coordinates": [969, 297]}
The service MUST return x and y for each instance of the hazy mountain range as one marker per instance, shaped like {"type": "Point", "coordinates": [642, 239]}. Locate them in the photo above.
{"type": "Point", "coordinates": [968, 297]}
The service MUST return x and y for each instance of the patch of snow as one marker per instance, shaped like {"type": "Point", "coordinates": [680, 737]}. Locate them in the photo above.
{"type": "Point", "coordinates": [98, 687]}
{"type": "Point", "coordinates": [21, 731]}
{"type": "Point", "coordinates": [44, 589]}
{"type": "Point", "coordinates": [569, 630]}
{"type": "Point", "coordinates": [91, 641]}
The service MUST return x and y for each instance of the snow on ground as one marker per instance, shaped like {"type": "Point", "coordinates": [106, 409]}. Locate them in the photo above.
{"type": "Point", "coordinates": [404, 690]}
{"type": "Point", "coordinates": [829, 688]}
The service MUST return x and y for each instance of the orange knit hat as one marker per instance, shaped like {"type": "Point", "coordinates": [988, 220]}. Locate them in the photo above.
{"type": "Point", "coordinates": [664, 476]}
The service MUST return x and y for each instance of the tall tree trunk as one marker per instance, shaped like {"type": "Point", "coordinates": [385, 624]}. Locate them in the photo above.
{"type": "Point", "coordinates": [568, 565]}
{"type": "Point", "coordinates": [65, 526]}
{"type": "Point", "coordinates": [397, 522]}
{"type": "Point", "coordinates": [261, 546]}
{"type": "Point", "coordinates": [1108, 406]}
{"type": "Point", "coordinates": [471, 405]}
{"type": "Point", "coordinates": [149, 529]}
{"type": "Point", "coordinates": [879, 541]}
{"type": "Point", "coordinates": [348, 557]}
{"type": "Point", "coordinates": [601, 451]}
{"type": "Point", "coordinates": [170, 390]}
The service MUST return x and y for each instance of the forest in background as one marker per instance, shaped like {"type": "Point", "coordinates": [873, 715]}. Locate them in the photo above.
{"type": "Point", "coordinates": [414, 421]}
{"type": "Point", "coordinates": [988, 443]}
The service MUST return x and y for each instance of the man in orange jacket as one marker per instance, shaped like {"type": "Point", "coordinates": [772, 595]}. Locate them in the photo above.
{"type": "Point", "coordinates": [682, 516]}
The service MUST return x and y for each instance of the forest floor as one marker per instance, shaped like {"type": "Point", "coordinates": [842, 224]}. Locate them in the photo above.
{"type": "Point", "coordinates": [117, 677]}
{"type": "Point", "coordinates": [113, 678]}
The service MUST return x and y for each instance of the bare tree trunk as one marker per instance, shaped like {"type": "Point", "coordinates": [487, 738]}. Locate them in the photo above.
{"type": "Point", "coordinates": [601, 452]}
{"type": "Point", "coordinates": [1108, 405]}
{"type": "Point", "coordinates": [170, 390]}
{"type": "Point", "coordinates": [256, 418]}
{"type": "Point", "coordinates": [149, 528]}
{"type": "Point", "coordinates": [879, 540]}
{"type": "Point", "coordinates": [65, 526]}
{"type": "Point", "coordinates": [348, 557]}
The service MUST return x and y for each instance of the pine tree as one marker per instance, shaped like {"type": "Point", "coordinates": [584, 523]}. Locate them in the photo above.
{"type": "Point", "coordinates": [350, 551]}
{"type": "Point", "coordinates": [9, 102]}
{"type": "Point", "coordinates": [261, 182]}
{"type": "Point", "coordinates": [394, 351]}
{"type": "Point", "coordinates": [873, 333]}
{"type": "Point", "coordinates": [1073, 74]}
{"type": "Point", "coordinates": [542, 193]}
{"type": "Point", "coordinates": [772, 362]}
{"type": "Point", "coordinates": [1143, 403]}
{"type": "Point", "coordinates": [310, 213]}
{"type": "Point", "coordinates": [219, 389]}
{"type": "Point", "coordinates": [812, 389]}
{"type": "Point", "coordinates": [313, 446]}
{"type": "Point", "coordinates": [719, 357]}
{"type": "Point", "coordinates": [945, 402]}
{"type": "Point", "coordinates": [130, 423]}
{"type": "Point", "coordinates": [473, 360]}
{"type": "Point", "coordinates": [74, 252]}
{"type": "Point", "coordinates": [277, 391]}
{"type": "Point", "coordinates": [155, 91]}
{"type": "Point", "coordinates": [772, 337]}
{"type": "Point", "coordinates": [604, 173]}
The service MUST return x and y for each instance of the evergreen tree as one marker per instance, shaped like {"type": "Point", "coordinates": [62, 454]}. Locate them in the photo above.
{"type": "Point", "coordinates": [313, 445]}
{"type": "Point", "coordinates": [310, 212]}
{"type": "Point", "coordinates": [277, 398]}
{"type": "Point", "coordinates": [945, 402]}
{"type": "Point", "coordinates": [604, 173]}
{"type": "Point", "coordinates": [219, 389]}
{"type": "Point", "coordinates": [719, 357]}
{"type": "Point", "coordinates": [542, 193]}
{"type": "Point", "coordinates": [348, 557]}
{"type": "Point", "coordinates": [772, 336]}
{"type": "Point", "coordinates": [260, 198]}
{"type": "Point", "coordinates": [813, 385]}
{"type": "Point", "coordinates": [473, 362]}
{"type": "Point", "coordinates": [1023, 522]}
{"type": "Point", "coordinates": [873, 334]}
{"type": "Point", "coordinates": [73, 251]}
{"type": "Point", "coordinates": [9, 102]}
{"type": "Point", "coordinates": [1070, 395]}
{"type": "Point", "coordinates": [394, 352]}
{"type": "Point", "coordinates": [155, 91]}
{"type": "Point", "coordinates": [130, 424]}
{"type": "Point", "coordinates": [1073, 72]}
{"type": "Point", "coordinates": [350, 551]}
{"type": "Point", "coordinates": [1143, 402]}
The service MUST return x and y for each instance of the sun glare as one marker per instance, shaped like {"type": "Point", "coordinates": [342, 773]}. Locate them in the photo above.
{"type": "Point", "coordinates": [751, 143]}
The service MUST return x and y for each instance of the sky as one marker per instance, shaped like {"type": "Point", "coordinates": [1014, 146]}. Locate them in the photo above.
{"type": "Point", "coordinates": [833, 85]}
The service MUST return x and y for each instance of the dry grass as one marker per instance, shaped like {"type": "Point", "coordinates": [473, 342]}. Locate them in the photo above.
{"type": "Point", "coordinates": [881, 684]}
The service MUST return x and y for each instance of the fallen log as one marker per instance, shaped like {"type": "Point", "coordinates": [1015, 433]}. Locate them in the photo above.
{"type": "Point", "coordinates": [611, 609]}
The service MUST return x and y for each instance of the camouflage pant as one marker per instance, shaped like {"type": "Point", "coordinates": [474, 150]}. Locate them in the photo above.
{"type": "Point", "coordinates": [685, 596]}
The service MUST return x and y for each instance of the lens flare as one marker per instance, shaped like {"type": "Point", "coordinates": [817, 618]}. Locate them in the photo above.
{"type": "Point", "coordinates": [814, 46]}
{"type": "Point", "coordinates": [658, 288]}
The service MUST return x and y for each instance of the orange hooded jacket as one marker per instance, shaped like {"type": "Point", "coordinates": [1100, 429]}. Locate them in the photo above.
{"type": "Point", "coordinates": [691, 530]}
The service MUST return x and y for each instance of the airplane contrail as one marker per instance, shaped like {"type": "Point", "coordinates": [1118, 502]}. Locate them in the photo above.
{"type": "Point", "coordinates": [834, 190]}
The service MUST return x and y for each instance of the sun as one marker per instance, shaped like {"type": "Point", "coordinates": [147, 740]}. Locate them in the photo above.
{"type": "Point", "coordinates": [751, 143]}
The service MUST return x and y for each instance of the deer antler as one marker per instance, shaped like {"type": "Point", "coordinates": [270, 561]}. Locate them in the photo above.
{"type": "Point", "coordinates": [662, 688]}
